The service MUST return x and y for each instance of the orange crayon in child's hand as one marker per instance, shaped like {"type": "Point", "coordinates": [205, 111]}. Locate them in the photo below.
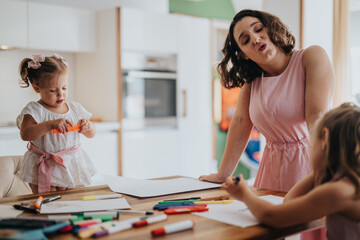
{"type": "Point", "coordinates": [71, 128]}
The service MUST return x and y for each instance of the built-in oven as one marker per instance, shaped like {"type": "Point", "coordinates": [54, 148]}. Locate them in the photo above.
{"type": "Point", "coordinates": [149, 91]}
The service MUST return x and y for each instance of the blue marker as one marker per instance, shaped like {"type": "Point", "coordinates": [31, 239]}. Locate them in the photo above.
{"type": "Point", "coordinates": [237, 179]}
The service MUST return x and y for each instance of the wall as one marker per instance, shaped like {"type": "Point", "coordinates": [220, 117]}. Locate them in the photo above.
{"type": "Point", "coordinates": [289, 13]}
{"type": "Point", "coordinates": [12, 97]}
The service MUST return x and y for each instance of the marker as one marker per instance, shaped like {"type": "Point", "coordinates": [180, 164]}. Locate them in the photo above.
{"type": "Point", "coordinates": [145, 222]}
{"type": "Point", "coordinates": [135, 212]}
{"type": "Point", "coordinates": [98, 197]}
{"type": "Point", "coordinates": [186, 210]}
{"type": "Point", "coordinates": [88, 232]}
{"type": "Point", "coordinates": [103, 218]}
{"type": "Point", "coordinates": [173, 207]}
{"type": "Point", "coordinates": [96, 227]}
{"type": "Point", "coordinates": [117, 228]}
{"type": "Point", "coordinates": [215, 202]}
{"type": "Point", "coordinates": [26, 209]}
{"type": "Point", "coordinates": [114, 214]}
{"type": "Point", "coordinates": [222, 197]}
{"type": "Point", "coordinates": [62, 217]}
{"type": "Point", "coordinates": [179, 201]}
{"type": "Point", "coordinates": [183, 199]}
{"type": "Point", "coordinates": [38, 202]}
{"type": "Point", "coordinates": [237, 179]}
{"type": "Point", "coordinates": [51, 199]}
{"type": "Point", "coordinates": [71, 128]}
{"type": "Point", "coordinates": [172, 228]}
{"type": "Point", "coordinates": [87, 222]}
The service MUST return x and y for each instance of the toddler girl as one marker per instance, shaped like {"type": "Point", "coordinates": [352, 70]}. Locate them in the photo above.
{"type": "Point", "coordinates": [331, 190]}
{"type": "Point", "coordinates": [53, 161]}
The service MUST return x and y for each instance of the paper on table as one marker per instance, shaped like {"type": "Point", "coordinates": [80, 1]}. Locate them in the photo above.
{"type": "Point", "coordinates": [8, 211]}
{"type": "Point", "coordinates": [152, 188]}
{"type": "Point", "coordinates": [84, 206]}
{"type": "Point", "coordinates": [236, 213]}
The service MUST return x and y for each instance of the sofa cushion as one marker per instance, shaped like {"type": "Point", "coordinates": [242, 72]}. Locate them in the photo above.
{"type": "Point", "coordinates": [10, 184]}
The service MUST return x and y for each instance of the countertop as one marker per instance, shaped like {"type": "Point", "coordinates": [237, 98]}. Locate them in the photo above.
{"type": "Point", "coordinates": [100, 127]}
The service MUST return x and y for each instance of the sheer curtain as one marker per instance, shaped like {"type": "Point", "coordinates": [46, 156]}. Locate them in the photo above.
{"type": "Point", "coordinates": [341, 55]}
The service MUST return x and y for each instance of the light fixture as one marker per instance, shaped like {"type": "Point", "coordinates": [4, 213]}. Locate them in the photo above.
{"type": "Point", "coordinates": [6, 47]}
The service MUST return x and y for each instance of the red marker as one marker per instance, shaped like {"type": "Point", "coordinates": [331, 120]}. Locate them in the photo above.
{"type": "Point", "coordinates": [87, 222]}
{"type": "Point", "coordinates": [147, 221]}
{"type": "Point", "coordinates": [172, 228]}
{"type": "Point", "coordinates": [185, 210]}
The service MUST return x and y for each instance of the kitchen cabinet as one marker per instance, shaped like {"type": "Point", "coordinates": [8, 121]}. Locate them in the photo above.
{"type": "Point", "coordinates": [46, 27]}
{"type": "Point", "coordinates": [102, 148]}
{"type": "Point", "coordinates": [61, 28]}
{"type": "Point", "coordinates": [150, 153]}
{"type": "Point", "coordinates": [194, 95]}
{"type": "Point", "coordinates": [10, 142]}
{"type": "Point", "coordinates": [148, 31]}
{"type": "Point", "coordinates": [13, 27]}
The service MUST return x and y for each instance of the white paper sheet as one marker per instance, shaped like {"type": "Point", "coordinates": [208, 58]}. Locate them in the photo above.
{"type": "Point", "coordinates": [152, 188]}
{"type": "Point", "coordinates": [84, 206]}
{"type": "Point", "coordinates": [8, 211]}
{"type": "Point", "coordinates": [236, 213]}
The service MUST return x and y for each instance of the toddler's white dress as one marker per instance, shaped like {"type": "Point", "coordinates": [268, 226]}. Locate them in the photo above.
{"type": "Point", "coordinates": [79, 168]}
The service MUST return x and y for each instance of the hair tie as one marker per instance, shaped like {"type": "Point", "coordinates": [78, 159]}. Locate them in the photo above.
{"type": "Point", "coordinates": [60, 58]}
{"type": "Point", "coordinates": [35, 63]}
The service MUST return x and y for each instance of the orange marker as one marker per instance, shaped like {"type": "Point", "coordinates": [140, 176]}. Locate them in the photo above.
{"type": "Point", "coordinates": [38, 202]}
{"type": "Point", "coordinates": [71, 128]}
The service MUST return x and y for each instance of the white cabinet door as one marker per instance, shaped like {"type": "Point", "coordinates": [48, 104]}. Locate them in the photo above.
{"type": "Point", "coordinates": [13, 28]}
{"type": "Point", "coordinates": [61, 28]}
{"type": "Point", "coordinates": [150, 154]}
{"type": "Point", "coordinates": [103, 151]}
{"type": "Point", "coordinates": [194, 91]}
{"type": "Point", "coordinates": [11, 145]}
{"type": "Point", "coordinates": [149, 32]}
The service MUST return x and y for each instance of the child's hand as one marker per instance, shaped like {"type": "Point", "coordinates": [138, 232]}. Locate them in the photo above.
{"type": "Point", "coordinates": [236, 190]}
{"type": "Point", "coordinates": [85, 125]}
{"type": "Point", "coordinates": [61, 124]}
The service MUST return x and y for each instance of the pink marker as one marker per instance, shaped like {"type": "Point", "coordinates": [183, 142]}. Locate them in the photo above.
{"type": "Point", "coordinates": [172, 228]}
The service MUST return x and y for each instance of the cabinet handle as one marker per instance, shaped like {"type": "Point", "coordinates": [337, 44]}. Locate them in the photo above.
{"type": "Point", "coordinates": [184, 105]}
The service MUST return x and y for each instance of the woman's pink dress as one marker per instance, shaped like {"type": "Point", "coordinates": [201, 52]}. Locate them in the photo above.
{"type": "Point", "coordinates": [277, 109]}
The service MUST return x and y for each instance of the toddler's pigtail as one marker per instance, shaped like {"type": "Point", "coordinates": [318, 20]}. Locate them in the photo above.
{"type": "Point", "coordinates": [24, 72]}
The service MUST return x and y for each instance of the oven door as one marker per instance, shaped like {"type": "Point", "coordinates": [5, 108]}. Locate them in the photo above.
{"type": "Point", "coordinates": [149, 99]}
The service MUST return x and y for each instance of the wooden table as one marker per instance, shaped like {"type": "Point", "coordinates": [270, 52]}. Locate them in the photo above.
{"type": "Point", "coordinates": [204, 229]}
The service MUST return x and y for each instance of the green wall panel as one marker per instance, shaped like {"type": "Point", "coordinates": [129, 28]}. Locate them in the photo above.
{"type": "Point", "coordinates": [217, 9]}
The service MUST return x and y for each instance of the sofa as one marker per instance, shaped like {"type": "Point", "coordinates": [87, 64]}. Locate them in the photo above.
{"type": "Point", "coordinates": [10, 184]}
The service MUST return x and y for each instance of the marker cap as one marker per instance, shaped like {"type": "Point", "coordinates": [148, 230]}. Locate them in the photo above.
{"type": "Point", "coordinates": [158, 232]}
{"type": "Point", "coordinates": [38, 202]}
{"type": "Point", "coordinates": [140, 223]}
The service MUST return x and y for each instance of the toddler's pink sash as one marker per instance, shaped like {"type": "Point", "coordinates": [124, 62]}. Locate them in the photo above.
{"type": "Point", "coordinates": [44, 177]}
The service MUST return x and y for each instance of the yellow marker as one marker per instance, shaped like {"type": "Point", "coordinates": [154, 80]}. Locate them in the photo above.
{"type": "Point", "coordinates": [215, 202]}
{"type": "Point", "coordinates": [38, 202]}
{"type": "Point", "coordinates": [98, 197]}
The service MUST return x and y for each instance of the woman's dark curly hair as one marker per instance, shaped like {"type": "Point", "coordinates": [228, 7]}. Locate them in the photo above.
{"type": "Point", "coordinates": [234, 70]}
